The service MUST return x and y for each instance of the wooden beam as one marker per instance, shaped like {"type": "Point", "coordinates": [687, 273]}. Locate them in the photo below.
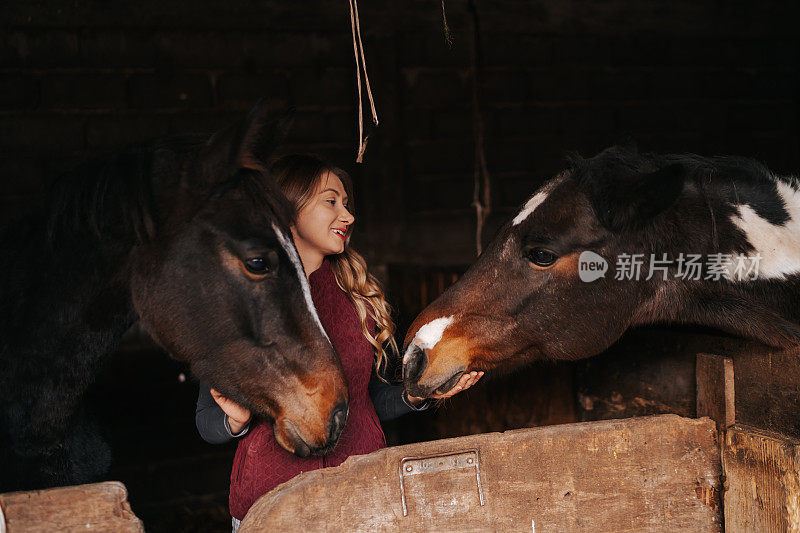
{"type": "Point", "coordinates": [715, 391]}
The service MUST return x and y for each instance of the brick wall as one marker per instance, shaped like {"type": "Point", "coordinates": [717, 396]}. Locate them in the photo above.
{"type": "Point", "coordinates": [79, 78]}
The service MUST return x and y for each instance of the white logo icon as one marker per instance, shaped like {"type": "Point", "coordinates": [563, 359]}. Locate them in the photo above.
{"type": "Point", "coordinates": [591, 266]}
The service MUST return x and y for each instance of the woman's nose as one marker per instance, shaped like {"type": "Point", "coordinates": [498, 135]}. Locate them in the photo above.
{"type": "Point", "coordinates": [346, 216]}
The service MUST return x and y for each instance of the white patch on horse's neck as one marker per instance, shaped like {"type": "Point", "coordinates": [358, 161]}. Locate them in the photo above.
{"type": "Point", "coordinates": [536, 200]}
{"type": "Point", "coordinates": [429, 334]}
{"type": "Point", "coordinates": [778, 246]}
{"type": "Point", "coordinates": [301, 274]}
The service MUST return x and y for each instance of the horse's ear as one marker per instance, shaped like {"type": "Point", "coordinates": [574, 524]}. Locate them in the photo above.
{"type": "Point", "coordinates": [627, 144]}
{"type": "Point", "coordinates": [631, 201]}
{"type": "Point", "coordinates": [261, 134]}
{"type": "Point", "coordinates": [248, 144]}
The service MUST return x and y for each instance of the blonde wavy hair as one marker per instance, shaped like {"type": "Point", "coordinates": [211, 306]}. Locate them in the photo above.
{"type": "Point", "coordinates": [299, 176]}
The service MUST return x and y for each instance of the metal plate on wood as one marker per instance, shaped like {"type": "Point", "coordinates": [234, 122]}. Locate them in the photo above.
{"type": "Point", "coordinates": [432, 464]}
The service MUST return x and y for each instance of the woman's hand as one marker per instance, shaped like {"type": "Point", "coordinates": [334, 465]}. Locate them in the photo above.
{"type": "Point", "coordinates": [238, 416]}
{"type": "Point", "coordinates": [467, 380]}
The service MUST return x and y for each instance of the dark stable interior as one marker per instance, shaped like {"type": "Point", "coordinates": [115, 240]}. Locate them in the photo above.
{"type": "Point", "coordinates": [522, 84]}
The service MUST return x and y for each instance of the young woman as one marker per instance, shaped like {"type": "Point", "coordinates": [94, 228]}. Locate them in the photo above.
{"type": "Point", "coordinates": [352, 308]}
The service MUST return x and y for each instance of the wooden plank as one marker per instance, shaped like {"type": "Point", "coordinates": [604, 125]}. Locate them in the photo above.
{"type": "Point", "coordinates": [762, 481]}
{"type": "Point", "coordinates": [768, 389]}
{"type": "Point", "coordinates": [657, 473]}
{"type": "Point", "coordinates": [93, 507]}
{"type": "Point", "coordinates": [715, 391]}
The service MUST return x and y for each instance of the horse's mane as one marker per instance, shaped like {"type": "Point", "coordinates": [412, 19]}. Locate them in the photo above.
{"type": "Point", "coordinates": [118, 196]}
{"type": "Point", "coordinates": [626, 156]}
{"type": "Point", "coordinates": [614, 174]}
{"type": "Point", "coordinates": [115, 195]}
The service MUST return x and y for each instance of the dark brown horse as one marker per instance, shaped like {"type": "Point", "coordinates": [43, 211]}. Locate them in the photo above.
{"type": "Point", "coordinates": [614, 241]}
{"type": "Point", "coordinates": [191, 236]}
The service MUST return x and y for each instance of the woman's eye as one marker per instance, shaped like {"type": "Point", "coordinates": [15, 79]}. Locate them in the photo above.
{"type": "Point", "coordinates": [541, 257]}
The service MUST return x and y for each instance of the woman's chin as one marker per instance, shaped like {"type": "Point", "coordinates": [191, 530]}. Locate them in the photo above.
{"type": "Point", "coordinates": [336, 250]}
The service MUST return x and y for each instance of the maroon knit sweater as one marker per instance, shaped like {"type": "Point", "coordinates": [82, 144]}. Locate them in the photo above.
{"type": "Point", "coordinates": [260, 463]}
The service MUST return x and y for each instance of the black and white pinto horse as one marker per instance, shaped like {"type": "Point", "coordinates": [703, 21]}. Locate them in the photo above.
{"type": "Point", "coordinates": [614, 241]}
{"type": "Point", "coordinates": [191, 236]}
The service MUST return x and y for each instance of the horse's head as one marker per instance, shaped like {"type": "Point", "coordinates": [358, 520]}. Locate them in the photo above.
{"type": "Point", "coordinates": [524, 298]}
{"type": "Point", "coordinates": [220, 285]}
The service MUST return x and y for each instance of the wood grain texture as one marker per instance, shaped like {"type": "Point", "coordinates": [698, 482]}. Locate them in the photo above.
{"type": "Point", "coordinates": [643, 474]}
{"type": "Point", "coordinates": [762, 481]}
{"type": "Point", "coordinates": [715, 389]}
{"type": "Point", "coordinates": [768, 389]}
{"type": "Point", "coordinates": [93, 507]}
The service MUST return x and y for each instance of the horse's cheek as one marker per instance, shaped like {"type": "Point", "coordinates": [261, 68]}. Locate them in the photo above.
{"type": "Point", "coordinates": [104, 311]}
{"type": "Point", "coordinates": [146, 306]}
{"type": "Point", "coordinates": [139, 295]}
{"type": "Point", "coordinates": [147, 284]}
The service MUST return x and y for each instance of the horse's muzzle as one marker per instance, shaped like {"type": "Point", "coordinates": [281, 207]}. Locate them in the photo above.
{"type": "Point", "coordinates": [414, 363]}
{"type": "Point", "coordinates": [338, 418]}
{"type": "Point", "coordinates": [335, 427]}
{"type": "Point", "coordinates": [298, 446]}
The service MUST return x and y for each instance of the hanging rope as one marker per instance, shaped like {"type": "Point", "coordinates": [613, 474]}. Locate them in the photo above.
{"type": "Point", "coordinates": [448, 37]}
{"type": "Point", "coordinates": [481, 191]}
{"type": "Point", "coordinates": [358, 52]}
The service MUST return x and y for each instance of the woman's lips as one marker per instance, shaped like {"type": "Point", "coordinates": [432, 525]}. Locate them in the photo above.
{"type": "Point", "coordinates": [341, 235]}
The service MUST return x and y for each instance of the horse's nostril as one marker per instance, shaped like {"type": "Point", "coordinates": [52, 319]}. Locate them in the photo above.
{"type": "Point", "coordinates": [301, 449]}
{"type": "Point", "coordinates": [338, 419]}
{"type": "Point", "coordinates": [415, 362]}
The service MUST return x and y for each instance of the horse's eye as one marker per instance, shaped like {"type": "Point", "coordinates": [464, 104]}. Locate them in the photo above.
{"type": "Point", "coordinates": [541, 257]}
{"type": "Point", "coordinates": [257, 265]}
{"type": "Point", "coordinates": [262, 265]}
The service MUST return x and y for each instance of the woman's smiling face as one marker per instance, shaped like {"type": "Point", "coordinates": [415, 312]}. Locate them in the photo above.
{"type": "Point", "coordinates": [322, 223]}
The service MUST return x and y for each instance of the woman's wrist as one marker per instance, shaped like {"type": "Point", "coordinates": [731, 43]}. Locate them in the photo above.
{"type": "Point", "coordinates": [415, 400]}
{"type": "Point", "coordinates": [415, 403]}
{"type": "Point", "coordinates": [236, 426]}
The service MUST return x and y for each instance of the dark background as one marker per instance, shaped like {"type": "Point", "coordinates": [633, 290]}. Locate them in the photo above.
{"type": "Point", "coordinates": [82, 78]}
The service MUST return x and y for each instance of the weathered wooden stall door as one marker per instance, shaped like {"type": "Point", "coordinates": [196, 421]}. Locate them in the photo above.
{"type": "Point", "coordinates": [642, 474]}
{"type": "Point", "coordinates": [755, 398]}
{"type": "Point", "coordinates": [92, 507]}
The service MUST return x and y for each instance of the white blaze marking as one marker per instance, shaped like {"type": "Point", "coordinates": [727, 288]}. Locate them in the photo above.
{"type": "Point", "coordinates": [779, 246]}
{"type": "Point", "coordinates": [537, 199]}
{"type": "Point", "coordinates": [301, 274]}
{"type": "Point", "coordinates": [531, 205]}
{"type": "Point", "coordinates": [429, 334]}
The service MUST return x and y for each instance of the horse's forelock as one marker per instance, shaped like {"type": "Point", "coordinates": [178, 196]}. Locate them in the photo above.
{"type": "Point", "coordinates": [260, 189]}
{"type": "Point", "coordinates": [269, 193]}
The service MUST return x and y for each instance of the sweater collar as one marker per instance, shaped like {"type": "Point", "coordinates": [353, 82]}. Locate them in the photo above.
{"type": "Point", "coordinates": [323, 273]}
